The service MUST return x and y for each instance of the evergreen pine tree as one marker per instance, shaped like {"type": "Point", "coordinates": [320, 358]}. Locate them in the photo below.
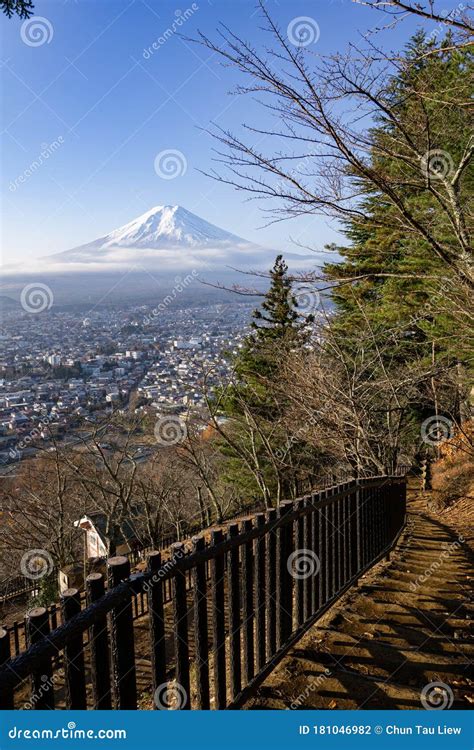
{"type": "Point", "coordinates": [21, 8]}
{"type": "Point", "coordinates": [276, 327]}
{"type": "Point", "coordinates": [434, 74]}
{"type": "Point", "coordinates": [256, 395]}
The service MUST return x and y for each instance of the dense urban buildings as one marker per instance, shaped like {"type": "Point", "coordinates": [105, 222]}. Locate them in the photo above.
{"type": "Point", "coordinates": [61, 372]}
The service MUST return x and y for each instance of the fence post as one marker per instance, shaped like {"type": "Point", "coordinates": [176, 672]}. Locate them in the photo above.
{"type": "Point", "coordinates": [347, 541]}
{"type": "Point", "coordinates": [313, 551]}
{"type": "Point", "coordinates": [218, 623]}
{"type": "Point", "coordinates": [326, 573]}
{"type": "Point", "coordinates": [299, 545]}
{"type": "Point", "coordinates": [37, 628]}
{"type": "Point", "coordinates": [6, 694]}
{"type": "Point", "coordinates": [123, 642]}
{"type": "Point", "coordinates": [16, 637]}
{"type": "Point", "coordinates": [180, 629]}
{"type": "Point", "coordinates": [74, 668]}
{"type": "Point", "coordinates": [338, 539]}
{"type": "Point", "coordinates": [234, 614]}
{"type": "Point", "coordinates": [156, 621]}
{"type": "Point", "coordinates": [403, 496]}
{"type": "Point", "coordinates": [358, 531]}
{"type": "Point", "coordinates": [271, 578]}
{"type": "Point", "coordinates": [285, 579]}
{"type": "Point", "coordinates": [99, 647]}
{"type": "Point", "coordinates": [308, 581]}
{"type": "Point", "coordinates": [200, 627]}
{"type": "Point", "coordinates": [260, 596]}
{"type": "Point", "coordinates": [247, 605]}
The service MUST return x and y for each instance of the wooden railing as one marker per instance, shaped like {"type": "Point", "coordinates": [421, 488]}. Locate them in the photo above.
{"type": "Point", "coordinates": [236, 603]}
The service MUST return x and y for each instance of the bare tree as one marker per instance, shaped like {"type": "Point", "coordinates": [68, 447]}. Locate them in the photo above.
{"type": "Point", "coordinates": [322, 142]}
{"type": "Point", "coordinates": [397, 10]}
{"type": "Point", "coordinates": [38, 508]}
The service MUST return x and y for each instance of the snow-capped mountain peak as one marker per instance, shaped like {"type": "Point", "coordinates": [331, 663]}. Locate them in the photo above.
{"type": "Point", "coordinates": [164, 238]}
{"type": "Point", "coordinates": [165, 227]}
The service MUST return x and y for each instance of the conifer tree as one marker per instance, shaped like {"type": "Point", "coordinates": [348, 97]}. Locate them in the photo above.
{"type": "Point", "coordinates": [276, 327]}
{"type": "Point", "coordinates": [400, 279]}
{"type": "Point", "coordinates": [21, 8]}
{"type": "Point", "coordinates": [261, 457]}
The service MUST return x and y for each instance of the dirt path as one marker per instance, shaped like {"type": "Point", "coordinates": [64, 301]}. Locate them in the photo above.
{"type": "Point", "coordinates": [405, 626]}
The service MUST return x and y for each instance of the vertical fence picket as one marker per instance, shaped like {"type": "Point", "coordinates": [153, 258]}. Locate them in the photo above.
{"type": "Point", "coordinates": [200, 628]}
{"type": "Point", "coordinates": [284, 582]}
{"type": "Point", "coordinates": [327, 548]}
{"type": "Point", "coordinates": [248, 614]}
{"type": "Point", "coordinates": [363, 525]}
{"type": "Point", "coordinates": [156, 619]}
{"type": "Point", "coordinates": [180, 629]}
{"type": "Point", "coordinates": [16, 637]}
{"type": "Point", "coordinates": [260, 594]}
{"type": "Point", "coordinates": [299, 545]}
{"type": "Point", "coordinates": [123, 642]}
{"type": "Point", "coordinates": [290, 552]}
{"type": "Point", "coordinates": [314, 551]}
{"type": "Point", "coordinates": [42, 689]}
{"type": "Point", "coordinates": [271, 578]}
{"type": "Point", "coordinates": [308, 581]}
{"type": "Point", "coordinates": [218, 623]}
{"type": "Point", "coordinates": [371, 523]}
{"type": "Point", "coordinates": [358, 529]}
{"type": "Point", "coordinates": [233, 572]}
{"type": "Point", "coordinates": [378, 524]}
{"type": "Point", "coordinates": [385, 516]}
{"type": "Point", "coordinates": [346, 535]}
{"type": "Point", "coordinates": [6, 694]}
{"type": "Point", "coordinates": [319, 580]}
{"type": "Point", "coordinates": [74, 667]}
{"type": "Point", "coordinates": [99, 647]}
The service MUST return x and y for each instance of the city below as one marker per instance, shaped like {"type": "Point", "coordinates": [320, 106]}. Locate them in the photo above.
{"type": "Point", "coordinates": [61, 373]}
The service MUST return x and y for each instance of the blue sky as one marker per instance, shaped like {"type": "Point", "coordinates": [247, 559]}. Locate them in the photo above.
{"type": "Point", "coordinates": [102, 109]}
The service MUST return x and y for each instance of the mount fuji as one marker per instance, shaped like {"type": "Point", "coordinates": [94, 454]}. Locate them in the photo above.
{"type": "Point", "coordinates": [151, 250]}
{"type": "Point", "coordinates": [164, 239]}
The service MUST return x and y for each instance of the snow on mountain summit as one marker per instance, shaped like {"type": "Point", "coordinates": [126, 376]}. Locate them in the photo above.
{"type": "Point", "coordinates": [163, 227]}
{"type": "Point", "coordinates": [168, 225]}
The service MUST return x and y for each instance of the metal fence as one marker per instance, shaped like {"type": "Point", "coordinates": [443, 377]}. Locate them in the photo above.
{"type": "Point", "coordinates": [220, 610]}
